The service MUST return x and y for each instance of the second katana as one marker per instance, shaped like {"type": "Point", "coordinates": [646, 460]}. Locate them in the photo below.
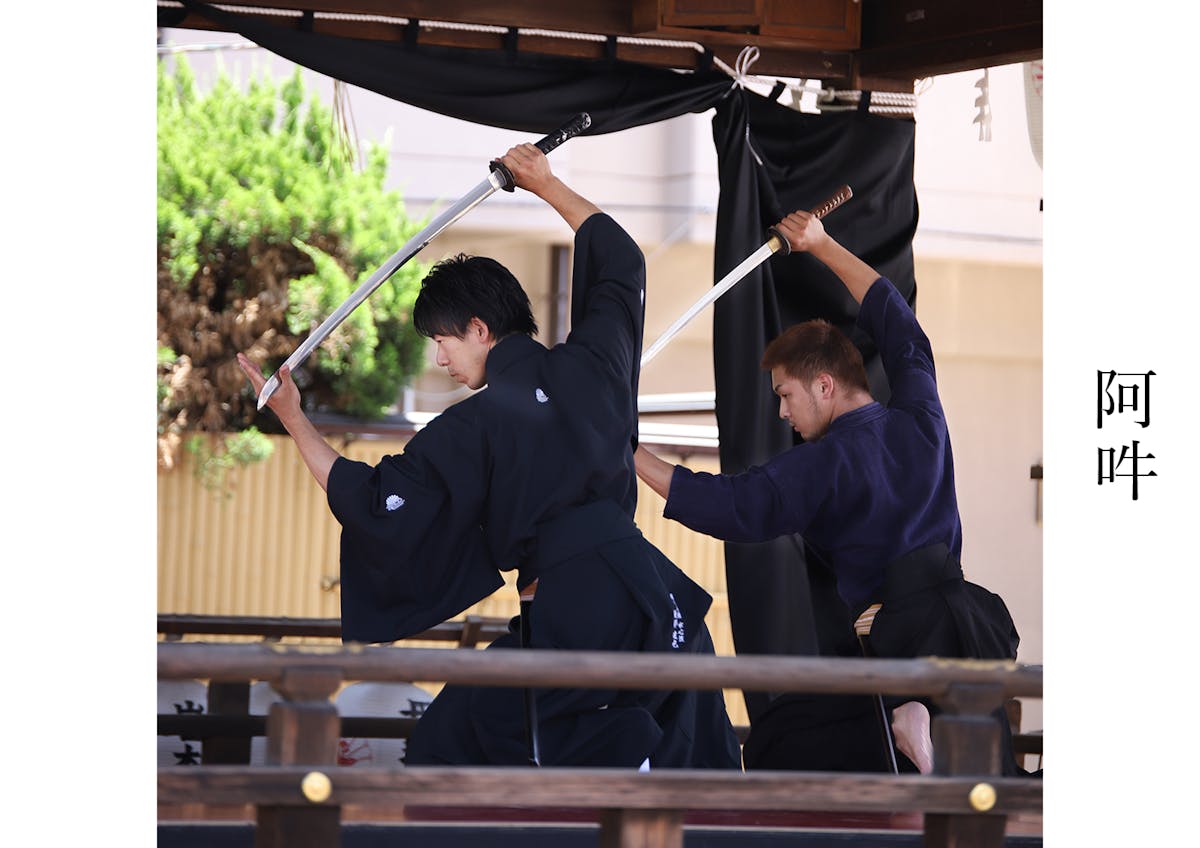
{"type": "Point", "coordinates": [774, 243]}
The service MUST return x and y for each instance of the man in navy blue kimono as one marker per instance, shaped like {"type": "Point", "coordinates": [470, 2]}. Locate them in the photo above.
{"type": "Point", "coordinates": [533, 473]}
{"type": "Point", "coordinates": [871, 490]}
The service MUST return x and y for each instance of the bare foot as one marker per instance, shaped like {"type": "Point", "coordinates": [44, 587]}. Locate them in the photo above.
{"type": "Point", "coordinates": [910, 726]}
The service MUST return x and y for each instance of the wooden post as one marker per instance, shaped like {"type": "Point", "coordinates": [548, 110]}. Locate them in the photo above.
{"type": "Point", "coordinates": [641, 829]}
{"type": "Point", "coordinates": [966, 741]}
{"type": "Point", "coordinates": [303, 729]}
{"type": "Point", "coordinates": [228, 698]}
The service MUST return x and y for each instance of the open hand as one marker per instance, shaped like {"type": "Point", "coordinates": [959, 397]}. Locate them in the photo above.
{"type": "Point", "coordinates": [285, 399]}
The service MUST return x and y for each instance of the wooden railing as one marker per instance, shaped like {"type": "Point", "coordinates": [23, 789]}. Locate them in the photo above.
{"type": "Point", "coordinates": [467, 632]}
{"type": "Point", "coordinates": [228, 725]}
{"type": "Point", "coordinates": [299, 796]}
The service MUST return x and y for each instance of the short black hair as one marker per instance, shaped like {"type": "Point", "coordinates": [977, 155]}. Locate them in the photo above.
{"type": "Point", "coordinates": [464, 287]}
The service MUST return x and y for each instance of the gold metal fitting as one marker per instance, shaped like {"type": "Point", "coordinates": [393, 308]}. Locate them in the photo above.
{"type": "Point", "coordinates": [316, 787]}
{"type": "Point", "coordinates": [982, 797]}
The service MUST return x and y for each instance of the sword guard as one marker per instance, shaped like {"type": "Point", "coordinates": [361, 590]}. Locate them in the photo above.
{"type": "Point", "coordinates": [507, 181]}
{"type": "Point", "coordinates": [570, 129]}
{"type": "Point", "coordinates": [778, 243]}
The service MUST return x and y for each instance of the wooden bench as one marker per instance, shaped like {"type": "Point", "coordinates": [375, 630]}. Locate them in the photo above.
{"type": "Point", "coordinates": [299, 797]}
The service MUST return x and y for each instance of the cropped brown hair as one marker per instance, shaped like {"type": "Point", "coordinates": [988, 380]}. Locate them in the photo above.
{"type": "Point", "coordinates": [805, 350]}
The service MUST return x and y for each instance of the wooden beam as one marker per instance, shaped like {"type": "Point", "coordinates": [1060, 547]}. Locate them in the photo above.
{"type": "Point", "coordinates": [603, 16]}
{"type": "Point", "coordinates": [945, 36]}
{"type": "Point", "coordinates": [900, 23]}
{"type": "Point", "coordinates": [652, 670]}
{"type": "Point", "coordinates": [663, 789]}
{"type": "Point", "coordinates": [477, 628]}
{"type": "Point", "coordinates": [207, 727]}
{"type": "Point", "coordinates": [777, 56]}
{"type": "Point", "coordinates": [901, 41]}
{"type": "Point", "coordinates": [971, 52]}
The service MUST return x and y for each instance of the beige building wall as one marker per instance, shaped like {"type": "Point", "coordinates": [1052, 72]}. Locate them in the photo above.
{"type": "Point", "coordinates": [984, 321]}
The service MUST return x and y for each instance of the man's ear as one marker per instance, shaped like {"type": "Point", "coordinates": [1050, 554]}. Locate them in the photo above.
{"type": "Point", "coordinates": [476, 327]}
{"type": "Point", "coordinates": [825, 385]}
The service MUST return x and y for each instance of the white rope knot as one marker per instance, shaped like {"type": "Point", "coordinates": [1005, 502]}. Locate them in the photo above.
{"type": "Point", "coordinates": [741, 68]}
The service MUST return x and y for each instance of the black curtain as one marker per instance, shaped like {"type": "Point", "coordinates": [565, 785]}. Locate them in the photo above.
{"type": "Point", "coordinates": [772, 159]}
{"type": "Point", "coordinates": [509, 89]}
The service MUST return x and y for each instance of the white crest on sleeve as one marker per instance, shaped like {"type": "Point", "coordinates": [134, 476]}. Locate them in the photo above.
{"type": "Point", "coordinates": [393, 502]}
{"type": "Point", "coordinates": [541, 396]}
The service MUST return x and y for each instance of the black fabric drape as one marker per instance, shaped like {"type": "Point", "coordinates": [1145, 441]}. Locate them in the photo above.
{"type": "Point", "coordinates": [781, 599]}
{"type": "Point", "coordinates": [773, 160]}
{"type": "Point", "coordinates": [498, 88]}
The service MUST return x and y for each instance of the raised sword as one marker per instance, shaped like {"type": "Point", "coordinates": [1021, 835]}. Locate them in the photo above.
{"type": "Point", "coordinates": [498, 178]}
{"type": "Point", "coordinates": [775, 243]}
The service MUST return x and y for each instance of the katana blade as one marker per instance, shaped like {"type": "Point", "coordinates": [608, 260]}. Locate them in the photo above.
{"type": "Point", "coordinates": [774, 243]}
{"type": "Point", "coordinates": [728, 281]}
{"type": "Point", "coordinates": [413, 246]}
{"type": "Point", "coordinates": [499, 178]}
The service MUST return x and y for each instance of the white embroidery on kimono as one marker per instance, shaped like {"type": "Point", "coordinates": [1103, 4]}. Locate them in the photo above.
{"type": "Point", "coordinates": [393, 502]}
{"type": "Point", "coordinates": [677, 634]}
{"type": "Point", "coordinates": [541, 396]}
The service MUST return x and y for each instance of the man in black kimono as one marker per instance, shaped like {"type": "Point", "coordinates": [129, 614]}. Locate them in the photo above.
{"type": "Point", "coordinates": [871, 490]}
{"type": "Point", "coordinates": [534, 473]}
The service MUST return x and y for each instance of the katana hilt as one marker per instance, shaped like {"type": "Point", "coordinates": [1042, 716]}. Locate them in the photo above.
{"type": "Point", "coordinates": [570, 129]}
{"type": "Point", "coordinates": [839, 197]}
{"type": "Point", "coordinates": [779, 244]}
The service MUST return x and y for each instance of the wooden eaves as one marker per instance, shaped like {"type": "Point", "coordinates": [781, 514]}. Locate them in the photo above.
{"type": "Point", "coordinates": [878, 45]}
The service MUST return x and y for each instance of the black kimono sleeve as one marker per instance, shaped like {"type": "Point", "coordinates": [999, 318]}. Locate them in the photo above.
{"type": "Point", "coordinates": [607, 297]}
{"type": "Point", "coordinates": [412, 549]}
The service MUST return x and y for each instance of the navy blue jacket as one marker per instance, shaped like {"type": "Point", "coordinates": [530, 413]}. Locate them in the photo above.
{"type": "Point", "coordinates": [879, 484]}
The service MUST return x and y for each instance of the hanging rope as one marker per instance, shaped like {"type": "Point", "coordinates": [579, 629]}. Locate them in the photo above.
{"type": "Point", "coordinates": [984, 116]}
{"type": "Point", "coordinates": [344, 127]}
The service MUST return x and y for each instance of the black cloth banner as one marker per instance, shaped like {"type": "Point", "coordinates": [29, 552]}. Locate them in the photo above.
{"type": "Point", "coordinates": [498, 88]}
{"type": "Point", "coordinates": [772, 160]}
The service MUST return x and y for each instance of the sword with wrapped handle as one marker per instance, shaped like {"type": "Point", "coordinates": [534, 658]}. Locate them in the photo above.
{"type": "Point", "coordinates": [774, 244]}
{"type": "Point", "coordinates": [498, 178]}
